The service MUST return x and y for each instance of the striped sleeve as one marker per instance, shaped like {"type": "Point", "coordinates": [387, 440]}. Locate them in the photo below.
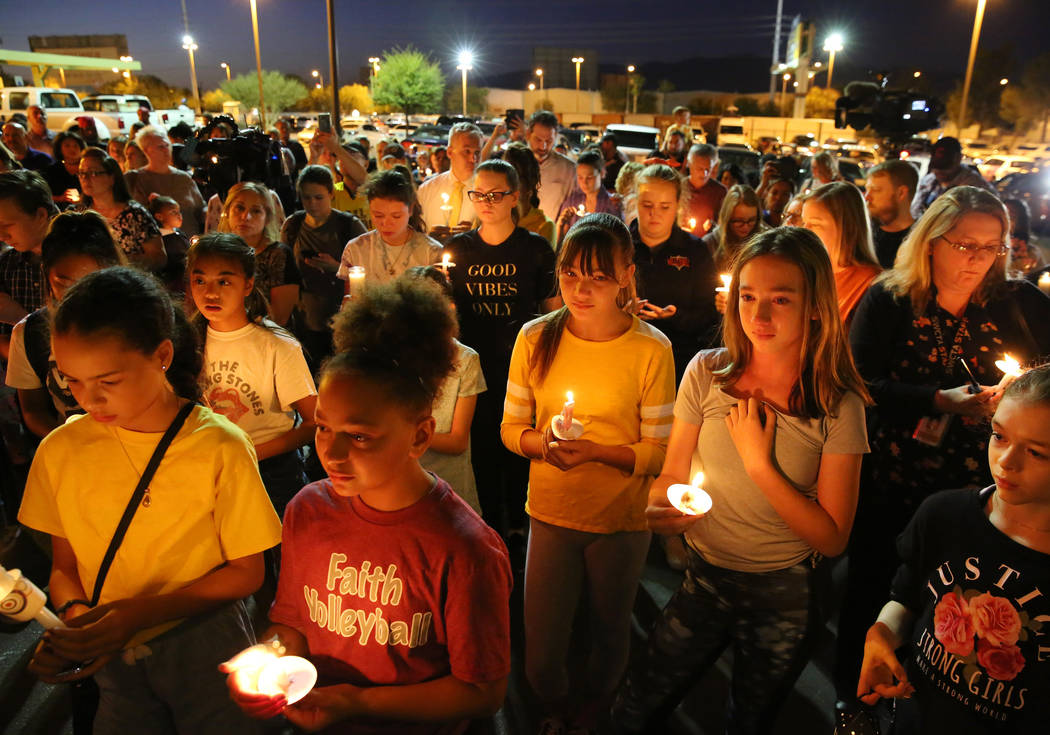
{"type": "Point", "coordinates": [519, 406]}
{"type": "Point", "coordinates": [656, 412]}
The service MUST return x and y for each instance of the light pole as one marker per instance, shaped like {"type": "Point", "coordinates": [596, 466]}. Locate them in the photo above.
{"type": "Point", "coordinates": [577, 60]}
{"type": "Point", "coordinates": [226, 66]}
{"type": "Point", "coordinates": [627, 97]}
{"type": "Point", "coordinates": [319, 77]}
{"type": "Point", "coordinates": [783, 92]}
{"type": "Point", "coordinates": [258, 66]}
{"type": "Point", "coordinates": [539, 73]}
{"type": "Point", "coordinates": [190, 46]}
{"type": "Point", "coordinates": [373, 62]}
{"type": "Point", "coordinates": [832, 45]}
{"type": "Point", "coordinates": [466, 63]}
{"type": "Point", "coordinates": [977, 20]}
{"type": "Point", "coordinates": [127, 72]}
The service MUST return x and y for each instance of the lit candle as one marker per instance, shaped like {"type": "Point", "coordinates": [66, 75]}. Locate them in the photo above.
{"type": "Point", "coordinates": [707, 225]}
{"type": "Point", "coordinates": [566, 410]}
{"type": "Point", "coordinates": [727, 280]}
{"type": "Point", "coordinates": [692, 224]}
{"type": "Point", "coordinates": [446, 263]}
{"type": "Point", "coordinates": [1044, 283]}
{"type": "Point", "coordinates": [581, 210]}
{"type": "Point", "coordinates": [1011, 368]}
{"type": "Point", "coordinates": [72, 195]}
{"type": "Point", "coordinates": [356, 279]}
{"type": "Point", "coordinates": [563, 425]}
{"type": "Point", "coordinates": [263, 669]}
{"type": "Point", "coordinates": [446, 207]}
{"type": "Point", "coordinates": [691, 500]}
{"type": "Point", "coordinates": [21, 600]}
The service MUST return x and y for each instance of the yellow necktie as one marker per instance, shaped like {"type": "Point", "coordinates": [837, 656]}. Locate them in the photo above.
{"type": "Point", "coordinates": [457, 203]}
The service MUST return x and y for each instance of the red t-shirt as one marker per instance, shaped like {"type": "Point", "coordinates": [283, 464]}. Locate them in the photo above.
{"type": "Point", "coordinates": [703, 205]}
{"type": "Point", "coordinates": [395, 598]}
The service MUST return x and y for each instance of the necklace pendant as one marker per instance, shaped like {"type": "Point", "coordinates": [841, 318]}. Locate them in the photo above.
{"type": "Point", "coordinates": [146, 501]}
{"type": "Point", "coordinates": [391, 271]}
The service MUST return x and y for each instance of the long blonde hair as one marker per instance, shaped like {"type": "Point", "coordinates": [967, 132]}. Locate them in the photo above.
{"type": "Point", "coordinates": [845, 205]}
{"type": "Point", "coordinates": [728, 247]}
{"type": "Point", "coordinates": [826, 368]}
{"type": "Point", "coordinates": [912, 273]}
{"type": "Point", "coordinates": [272, 229]}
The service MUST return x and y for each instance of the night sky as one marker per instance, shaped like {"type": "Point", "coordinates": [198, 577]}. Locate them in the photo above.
{"type": "Point", "coordinates": [926, 34]}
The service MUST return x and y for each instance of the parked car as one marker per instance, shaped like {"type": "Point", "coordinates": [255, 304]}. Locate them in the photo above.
{"type": "Point", "coordinates": [635, 141]}
{"type": "Point", "coordinates": [1037, 151]}
{"type": "Point", "coordinates": [996, 167]}
{"type": "Point", "coordinates": [429, 135]}
{"type": "Point", "coordinates": [61, 105]}
{"type": "Point", "coordinates": [748, 161]}
{"type": "Point", "coordinates": [128, 105]}
{"type": "Point", "coordinates": [731, 133]}
{"type": "Point", "coordinates": [1033, 188]}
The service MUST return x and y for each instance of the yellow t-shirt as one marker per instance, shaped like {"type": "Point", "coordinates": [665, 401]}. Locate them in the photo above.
{"type": "Point", "coordinates": [356, 205]}
{"type": "Point", "coordinates": [624, 394]}
{"type": "Point", "coordinates": [207, 503]}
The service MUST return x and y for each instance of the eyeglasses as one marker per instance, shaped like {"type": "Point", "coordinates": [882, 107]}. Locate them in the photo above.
{"type": "Point", "coordinates": [492, 197]}
{"type": "Point", "coordinates": [744, 222]}
{"type": "Point", "coordinates": [981, 251]}
{"type": "Point", "coordinates": [91, 174]}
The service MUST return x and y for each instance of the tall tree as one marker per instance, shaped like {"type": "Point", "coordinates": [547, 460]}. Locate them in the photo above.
{"type": "Point", "coordinates": [985, 91]}
{"type": "Point", "coordinates": [1027, 104]}
{"type": "Point", "coordinates": [279, 92]}
{"type": "Point", "coordinates": [477, 99]}
{"type": "Point", "coordinates": [409, 81]}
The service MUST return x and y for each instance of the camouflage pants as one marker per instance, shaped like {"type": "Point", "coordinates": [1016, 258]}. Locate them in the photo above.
{"type": "Point", "coordinates": [766, 618]}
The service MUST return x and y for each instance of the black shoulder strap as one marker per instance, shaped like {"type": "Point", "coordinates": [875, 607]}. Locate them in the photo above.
{"type": "Point", "coordinates": [294, 225]}
{"type": "Point", "coordinates": [37, 340]}
{"type": "Point", "coordinates": [136, 498]}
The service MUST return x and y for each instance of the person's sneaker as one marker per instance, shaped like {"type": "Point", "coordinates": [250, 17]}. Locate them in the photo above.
{"type": "Point", "coordinates": [552, 726]}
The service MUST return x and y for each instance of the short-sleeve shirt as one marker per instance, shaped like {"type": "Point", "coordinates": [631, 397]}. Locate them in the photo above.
{"type": "Point", "coordinates": [253, 376]}
{"type": "Point", "coordinates": [22, 278]}
{"type": "Point", "coordinates": [455, 469]}
{"type": "Point", "coordinates": [132, 227]}
{"type": "Point", "coordinates": [557, 180]}
{"type": "Point", "coordinates": [394, 598]}
{"type": "Point", "coordinates": [274, 267]}
{"type": "Point", "coordinates": [743, 531]}
{"type": "Point", "coordinates": [176, 184]}
{"type": "Point", "coordinates": [207, 503]}
{"type": "Point", "coordinates": [979, 653]}
{"type": "Point", "coordinates": [431, 201]}
{"type": "Point", "coordinates": [385, 263]}
{"type": "Point", "coordinates": [702, 205]}
{"type": "Point", "coordinates": [21, 375]}
{"type": "Point", "coordinates": [497, 289]}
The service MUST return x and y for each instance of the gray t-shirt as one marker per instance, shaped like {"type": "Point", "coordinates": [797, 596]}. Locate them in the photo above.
{"type": "Point", "coordinates": [742, 531]}
{"type": "Point", "coordinates": [456, 469]}
{"type": "Point", "coordinates": [176, 184]}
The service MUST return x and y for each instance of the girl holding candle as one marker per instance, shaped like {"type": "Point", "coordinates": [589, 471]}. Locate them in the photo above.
{"type": "Point", "coordinates": [243, 348]}
{"type": "Point", "coordinates": [382, 540]}
{"type": "Point", "coordinates": [169, 610]}
{"type": "Point", "coordinates": [398, 241]}
{"type": "Point", "coordinates": [947, 297]}
{"type": "Point", "coordinates": [777, 420]}
{"type": "Point", "coordinates": [967, 591]}
{"type": "Point", "coordinates": [586, 497]}
{"type": "Point", "coordinates": [589, 196]}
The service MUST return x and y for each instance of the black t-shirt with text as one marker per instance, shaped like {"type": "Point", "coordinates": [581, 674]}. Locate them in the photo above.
{"type": "Point", "coordinates": [497, 288]}
{"type": "Point", "coordinates": [979, 655]}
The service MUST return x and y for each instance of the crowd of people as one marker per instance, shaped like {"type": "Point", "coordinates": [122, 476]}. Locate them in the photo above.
{"type": "Point", "coordinates": [435, 372]}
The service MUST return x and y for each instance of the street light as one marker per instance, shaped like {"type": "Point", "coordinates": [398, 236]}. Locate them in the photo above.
{"type": "Point", "coordinates": [917, 74]}
{"type": "Point", "coordinates": [466, 63]}
{"type": "Point", "coordinates": [532, 87]}
{"type": "Point", "coordinates": [258, 65]}
{"type": "Point", "coordinates": [539, 73]}
{"type": "Point", "coordinates": [978, 18]}
{"type": "Point", "coordinates": [832, 45]}
{"type": "Point", "coordinates": [627, 97]}
{"type": "Point", "coordinates": [577, 60]}
{"type": "Point", "coordinates": [190, 46]}
{"type": "Point", "coordinates": [1003, 82]}
{"type": "Point", "coordinates": [319, 77]}
{"type": "Point", "coordinates": [226, 66]}
{"type": "Point", "coordinates": [127, 72]}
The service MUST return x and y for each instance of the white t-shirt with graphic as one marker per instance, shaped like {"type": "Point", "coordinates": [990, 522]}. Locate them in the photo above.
{"type": "Point", "coordinates": [253, 376]}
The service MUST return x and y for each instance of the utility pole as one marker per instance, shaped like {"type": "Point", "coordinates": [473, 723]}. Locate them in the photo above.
{"type": "Point", "coordinates": [776, 52]}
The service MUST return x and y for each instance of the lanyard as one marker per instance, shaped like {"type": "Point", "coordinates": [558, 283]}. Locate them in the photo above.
{"type": "Point", "coordinates": [948, 357]}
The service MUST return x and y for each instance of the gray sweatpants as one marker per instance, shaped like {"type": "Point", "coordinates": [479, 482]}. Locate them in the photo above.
{"type": "Point", "coordinates": [175, 687]}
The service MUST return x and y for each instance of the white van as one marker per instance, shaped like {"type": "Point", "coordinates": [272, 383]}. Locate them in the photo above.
{"type": "Point", "coordinates": [731, 133]}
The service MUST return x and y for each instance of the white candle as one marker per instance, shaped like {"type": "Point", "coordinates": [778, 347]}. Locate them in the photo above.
{"type": "Point", "coordinates": [727, 280]}
{"type": "Point", "coordinates": [446, 263]}
{"type": "Point", "coordinates": [566, 410]}
{"type": "Point", "coordinates": [1044, 283]}
{"type": "Point", "coordinates": [1009, 366]}
{"type": "Point", "coordinates": [690, 500]}
{"type": "Point", "coordinates": [446, 207]}
{"type": "Point", "coordinates": [356, 279]}
{"type": "Point", "coordinates": [263, 669]}
{"type": "Point", "coordinates": [581, 210]}
{"type": "Point", "coordinates": [21, 600]}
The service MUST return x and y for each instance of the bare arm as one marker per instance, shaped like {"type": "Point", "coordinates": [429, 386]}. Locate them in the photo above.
{"type": "Point", "coordinates": [295, 437]}
{"type": "Point", "coordinates": [660, 515]}
{"type": "Point", "coordinates": [38, 411]}
{"type": "Point", "coordinates": [456, 441]}
{"type": "Point", "coordinates": [153, 257]}
{"type": "Point", "coordinates": [282, 300]}
{"type": "Point", "coordinates": [881, 673]}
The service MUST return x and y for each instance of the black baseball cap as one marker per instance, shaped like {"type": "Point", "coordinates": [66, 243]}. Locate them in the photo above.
{"type": "Point", "coordinates": [945, 153]}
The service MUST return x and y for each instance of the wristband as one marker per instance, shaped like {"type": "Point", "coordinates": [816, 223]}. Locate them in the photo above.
{"type": "Point", "coordinates": [70, 603]}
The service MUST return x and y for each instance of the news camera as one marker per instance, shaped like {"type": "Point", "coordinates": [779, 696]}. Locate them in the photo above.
{"type": "Point", "coordinates": [245, 155]}
{"type": "Point", "coordinates": [893, 114]}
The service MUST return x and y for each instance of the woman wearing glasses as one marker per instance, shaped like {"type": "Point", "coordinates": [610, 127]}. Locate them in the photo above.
{"type": "Point", "coordinates": [134, 229]}
{"type": "Point", "coordinates": [925, 337]}
{"type": "Point", "coordinates": [503, 277]}
{"type": "Point", "coordinates": [739, 218]}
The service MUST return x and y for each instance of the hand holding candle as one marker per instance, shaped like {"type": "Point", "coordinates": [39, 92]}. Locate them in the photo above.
{"type": "Point", "coordinates": [564, 426]}
{"type": "Point", "coordinates": [1044, 283]}
{"type": "Point", "coordinates": [446, 263]}
{"type": "Point", "coordinates": [581, 210]}
{"type": "Point", "coordinates": [446, 207]}
{"type": "Point", "coordinates": [21, 600]}
{"type": "Point", "coordinates": [263, 669]}
{"type": "Point", "coordinates": [356, 281]}
{"type": "Point", "coordinates": [690, 500]}
{"type": "Point", "coordinates": [727, 281]}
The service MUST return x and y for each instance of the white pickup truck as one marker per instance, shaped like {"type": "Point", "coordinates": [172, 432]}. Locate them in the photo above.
{"type": "Point", "coordinates": [115, 113]}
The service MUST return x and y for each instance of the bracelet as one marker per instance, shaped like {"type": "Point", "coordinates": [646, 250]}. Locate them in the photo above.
{"type": "Point", "coordinates": [70, 603]}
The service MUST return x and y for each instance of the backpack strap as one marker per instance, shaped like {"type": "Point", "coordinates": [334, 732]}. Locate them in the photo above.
{"type": "Point", "coordinates": [37, 338]}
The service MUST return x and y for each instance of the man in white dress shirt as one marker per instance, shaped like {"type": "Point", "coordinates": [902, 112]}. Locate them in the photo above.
{"type": "Point", "coordinates": [455, 213]}
{"type": "Point", "coordinates": [557, 172]}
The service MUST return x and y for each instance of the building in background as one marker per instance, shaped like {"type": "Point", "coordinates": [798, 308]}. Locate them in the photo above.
{"type": "Point", "coordinates": [111, 46]}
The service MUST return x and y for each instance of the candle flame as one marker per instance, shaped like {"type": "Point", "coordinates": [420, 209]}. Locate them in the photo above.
{"type": "Point", "coordinates": [1009, 366]}
{"type": "Point", "coordinates": [698, 479]}
{"type": "Point", "coordinates": [692, 223]}
{"type": "Point", "coordinates": [444, 197]}
{"type": "Point", "coordinates": [568, 397]}
{"type": "Point", "coordinates": [581, 210]}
